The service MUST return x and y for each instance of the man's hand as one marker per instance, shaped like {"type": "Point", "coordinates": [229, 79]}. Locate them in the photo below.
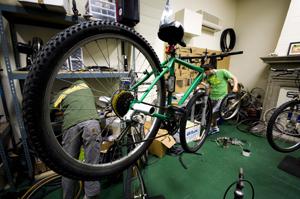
{"type": "Point", "coordinates": [235, 89]}
{"type": "Point", "coordinates": [235, 84]}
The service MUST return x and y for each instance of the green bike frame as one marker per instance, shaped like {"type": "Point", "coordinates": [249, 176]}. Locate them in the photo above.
{"type": "Point", "coordinates": [168, 67]}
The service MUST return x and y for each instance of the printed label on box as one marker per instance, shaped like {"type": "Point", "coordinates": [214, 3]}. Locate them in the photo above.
{"type": "Point", "coordinates": [192, 133]}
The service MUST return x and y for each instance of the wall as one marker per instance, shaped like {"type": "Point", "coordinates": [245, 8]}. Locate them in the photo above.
{"type": "Point", "coordinates": [291, 29]}
{"type": "Point", "coordinates": [224, 10]}
{"type": "Point", "coordinates": [258, 25]}
{"type": "Point", "coordinates": [151, 12]}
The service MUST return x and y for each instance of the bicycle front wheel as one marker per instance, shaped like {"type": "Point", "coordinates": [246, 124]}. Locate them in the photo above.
{"type": "Point", "coordinates": [283, 131]}
{"type": "Point", "coordinates": [108, 58]}
{"type": "Point", "coordinates": [192, 131]}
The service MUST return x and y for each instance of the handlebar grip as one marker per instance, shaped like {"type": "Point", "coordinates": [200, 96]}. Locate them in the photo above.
{"type": "Point", "coordinates": [235, 53]}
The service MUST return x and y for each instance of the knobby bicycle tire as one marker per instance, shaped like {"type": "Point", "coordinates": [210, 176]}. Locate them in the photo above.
{"type": "Point", "coordinates": [38, 87]}
{"type": "Point", "coordinates": [276, 126]}
{"type": "Point", "coordinates": [194, 144]}
{"type": "Point", "coordinates": [223, 40]}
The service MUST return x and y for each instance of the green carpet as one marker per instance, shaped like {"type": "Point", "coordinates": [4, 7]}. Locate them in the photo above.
{"type": "Point", "coordinates": [209, 175]}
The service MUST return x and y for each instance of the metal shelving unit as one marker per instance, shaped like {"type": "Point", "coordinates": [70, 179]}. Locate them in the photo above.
{"type": "Point", "coordinates": [42, 18]}
{"type": "Point", "coordinates": [4, 133]}
{"type": "Point", "coordinates": [16, 104]}
{"type": "Point", "coordinates": [75, 75]}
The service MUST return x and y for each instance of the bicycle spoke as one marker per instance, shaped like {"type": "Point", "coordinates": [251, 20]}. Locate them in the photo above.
{"type": "Point", "coordinates": [84, 85]}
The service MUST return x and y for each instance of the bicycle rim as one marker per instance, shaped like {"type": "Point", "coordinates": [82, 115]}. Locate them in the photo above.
{"type": "Point", "coordinates": [134, 185]}
{"type": "Point", "coordinates": [112, 58]}
{"type": "Point", "coordinates": [229, 107]}
{"type": "Point", "coordinates": [283, 131]}
{"type": "Point", "coordinates": [192, 132]}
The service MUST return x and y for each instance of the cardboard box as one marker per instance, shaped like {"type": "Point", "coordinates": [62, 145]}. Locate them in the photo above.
{"type": "Point", "coordinates": [186, 74]}
{"type": "Point", "coordinates": [195, 51]}
{"type": "Point", "coordinates": [184, 50]}
{"type": "Point", "coordinates": [192, 132]}
{"type": "Point", "coordinates": [161, 143]}
{"type": "Point", "coordinates": [147, 126]}
{"type": "Point", "coordinates": [182, 84]}
{"type": "Point", "coordinates": [105, 146]}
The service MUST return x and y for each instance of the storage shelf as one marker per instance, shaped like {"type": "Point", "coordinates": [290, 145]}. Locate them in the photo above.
{"type": "Point", "coordinates": [37, 17]}
{"type": "Point", "coordinates": [76, 75]}
{"type": "Point", "coordinates": [11, 15]}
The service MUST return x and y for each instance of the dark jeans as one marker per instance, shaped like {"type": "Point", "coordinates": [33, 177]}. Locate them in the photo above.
{"type": "Point", "coordinates": [86, 134]}
{"type": "Point", "coordinates": [215, 111]}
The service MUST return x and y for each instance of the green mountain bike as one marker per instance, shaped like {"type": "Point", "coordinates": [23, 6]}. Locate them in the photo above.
{"type": "Point", "coordinates": [125, 75]}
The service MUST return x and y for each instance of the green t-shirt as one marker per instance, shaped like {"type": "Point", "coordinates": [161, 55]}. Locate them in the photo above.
{"type": "Point", "coordinates": [78, 104]}
{"type": "Point", "coordinates": [218, 83]}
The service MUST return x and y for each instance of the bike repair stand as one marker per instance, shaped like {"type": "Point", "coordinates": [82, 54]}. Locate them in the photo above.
{"type": "Point", "coordinates": [290, 165]}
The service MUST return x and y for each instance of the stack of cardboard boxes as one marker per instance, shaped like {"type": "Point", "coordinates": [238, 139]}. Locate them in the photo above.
{"type": "Point", "coordinates": [184, 75]}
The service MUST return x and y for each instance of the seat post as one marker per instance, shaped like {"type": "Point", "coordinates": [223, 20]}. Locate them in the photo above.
{"type": "Point", "coordinates": [171, 50]}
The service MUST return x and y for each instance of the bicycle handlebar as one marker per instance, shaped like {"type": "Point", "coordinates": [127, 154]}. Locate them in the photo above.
{"type": "Point", "coordinates": [233, 53]}
{"type": "Point", "coordinates": [221, 55]}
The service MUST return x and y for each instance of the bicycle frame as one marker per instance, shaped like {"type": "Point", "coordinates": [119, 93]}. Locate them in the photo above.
{"type": "Point", "coordinates": [168, 66]}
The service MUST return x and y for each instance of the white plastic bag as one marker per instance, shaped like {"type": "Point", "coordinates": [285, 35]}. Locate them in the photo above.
{"type": "Point", "coordinates": [166, 16]}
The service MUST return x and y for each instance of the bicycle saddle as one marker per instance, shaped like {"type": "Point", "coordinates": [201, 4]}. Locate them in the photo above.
{"type": "Point", "coordinates": [172, 33]}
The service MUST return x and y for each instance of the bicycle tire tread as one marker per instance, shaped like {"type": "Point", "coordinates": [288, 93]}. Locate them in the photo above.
{"type": "Point", "coordinates": [40, 72]}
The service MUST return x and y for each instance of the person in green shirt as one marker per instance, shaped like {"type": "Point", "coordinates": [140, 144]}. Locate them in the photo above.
{"type": "Point", "coordinates": [80, 128]}
{"type": "Point", "coordinates": [218, 81]}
